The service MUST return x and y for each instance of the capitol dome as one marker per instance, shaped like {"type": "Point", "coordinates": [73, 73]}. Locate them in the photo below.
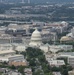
{"type": "Point", "coordinates": [36, 39]}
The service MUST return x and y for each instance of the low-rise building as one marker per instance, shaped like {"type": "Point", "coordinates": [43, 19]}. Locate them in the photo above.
{"type": "Point", "coordinates": [69, 56]}
{"type": "Point", "coordinates": [6, 47]}
{"type": "Point", "coordinates": [10, 72]}
{"type": "Point", "coordinates": [56, 73]}
{"type": "Point", "coordinates": [20, 47]}
{"type": "Point", "coordinates": [16, 60]}
{"type": "Point", "coordinates": [7, 52]}
{"type": "Point", "coordinates": [65, 54]}
{"type": "Point", "coordinates": [18, 63]}
{"type": "Point", "coordinates": [52, 60]}
{"type": "Point", "coordinates": [55, 48]}
{"type": "Point", "coordinates": [28, 71]}
{"type": "Point", "coordinates": [45, 47]}
{"type": "Point", "coordinates": [71, 72]}
{"type": "Point", "coordinates": [71, 61]}
{"type": "Point", "coordinates": [56, 63]}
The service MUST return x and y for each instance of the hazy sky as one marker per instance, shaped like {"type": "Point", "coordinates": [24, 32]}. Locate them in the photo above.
{"type": "Point", "coordinates": [42, 1]}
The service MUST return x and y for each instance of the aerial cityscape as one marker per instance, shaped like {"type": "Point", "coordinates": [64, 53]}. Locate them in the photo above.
{"type": "Point", "coordinates": [36, 37]}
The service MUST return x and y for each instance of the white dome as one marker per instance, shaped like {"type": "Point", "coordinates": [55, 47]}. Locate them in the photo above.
{"type": "Point", "coordinates": [64, 23]}
{"type": "Point", "coordinates": [66, 38]}
{"type": "Point", "coordinates": [36, 39]}
{"type": "Point", "coordinates": [36, 35]}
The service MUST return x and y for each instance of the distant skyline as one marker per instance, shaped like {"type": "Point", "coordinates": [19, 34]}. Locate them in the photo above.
{"type": "Point", "coordinates": [57, 1]}
{"type": "Point", "coordinates": [41, 1]}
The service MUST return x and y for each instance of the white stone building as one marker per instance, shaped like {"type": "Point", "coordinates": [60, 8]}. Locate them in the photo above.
{"type": "Point", "coordinates": [71, 72]}
{"type": "Point", "coordinates": [71, 60]}
{"type": "Point", "coordinates": [55, 48]}
{"type": "Point", "coordinates": [11, 58]}
{"type": "Point", "coordinates": [28, 71]}
{"type": "Point", "coordinates": [7, 52]}
{"type": "Point", "coordinates": [56, 63]}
